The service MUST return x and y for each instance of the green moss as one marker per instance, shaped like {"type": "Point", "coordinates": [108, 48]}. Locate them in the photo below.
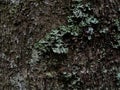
{"type": "Point", "coordinates": [53, 41]}
{"type": "Point", "coordinates": [82, 17]}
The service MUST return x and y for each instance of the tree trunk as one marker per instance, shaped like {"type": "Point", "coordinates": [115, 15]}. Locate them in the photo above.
{"type": "Point", "coordinates": [21, 27]}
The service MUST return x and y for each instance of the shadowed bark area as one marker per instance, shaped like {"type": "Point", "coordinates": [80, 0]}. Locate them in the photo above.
{"type": "Point", "coordinates": [106, 8]}
{"type": "Point", "coordinates": [24, 23]}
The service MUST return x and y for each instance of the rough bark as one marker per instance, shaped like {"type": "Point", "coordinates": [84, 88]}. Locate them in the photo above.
{"type": "Point", "coordinates": [19, 32]}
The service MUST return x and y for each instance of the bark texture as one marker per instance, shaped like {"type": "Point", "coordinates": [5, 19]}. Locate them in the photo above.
{"type": "Point", "coordinates": [23, 24]}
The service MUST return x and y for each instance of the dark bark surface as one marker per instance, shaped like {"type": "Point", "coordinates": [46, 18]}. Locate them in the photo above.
{"type": "Point", "coordinates": [23, 24]}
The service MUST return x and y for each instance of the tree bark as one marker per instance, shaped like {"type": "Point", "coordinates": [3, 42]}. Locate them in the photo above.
{"type": "Point", "coordinates": [106, 8]}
